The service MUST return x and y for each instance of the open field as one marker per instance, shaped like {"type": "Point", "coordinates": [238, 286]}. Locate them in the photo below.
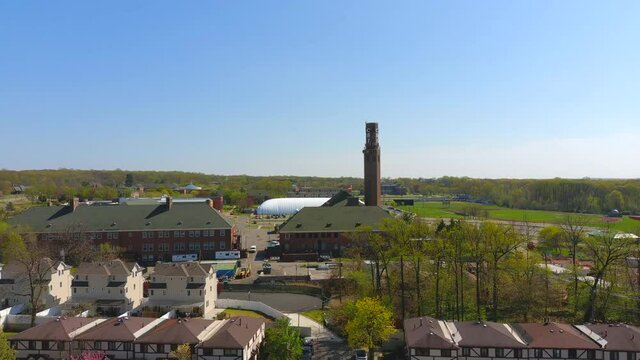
{"type": "Point", "coordinates": [438, 210]}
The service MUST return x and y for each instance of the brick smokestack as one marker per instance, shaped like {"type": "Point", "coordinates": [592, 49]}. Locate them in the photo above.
{"type": "Point", "coordinates": [372, 184]}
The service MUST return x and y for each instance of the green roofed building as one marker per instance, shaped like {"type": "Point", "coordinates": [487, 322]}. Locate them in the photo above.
{"type": "Point", "coordinates": [324, 231]}
{"type": "Point", "coordinates": [146, 233]}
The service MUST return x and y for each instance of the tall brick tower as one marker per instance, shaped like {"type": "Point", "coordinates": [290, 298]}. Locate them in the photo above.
{"type": "Point", "coordinates": [372, 186]}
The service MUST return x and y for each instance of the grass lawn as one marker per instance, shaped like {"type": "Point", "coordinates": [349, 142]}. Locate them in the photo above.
{"type": "Point", "coordinates": [438, 210]}
{"type": "Point", "coordinates": [239, 312]}
{"type": "Point", "coordinates": [315, 315]}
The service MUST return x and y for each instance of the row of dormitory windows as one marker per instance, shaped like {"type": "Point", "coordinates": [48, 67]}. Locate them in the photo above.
{"type": "Point", "coordinates": [518, 353]}
{"type": "Point", "coordinates": [164, 292]}
{"type": "Point", "coordinates": [182, 233]}
{"type": "Point", "coordinates": [114, 235]}
{"type": "Point", "coordinates": [180, 246]}
{"type": "Point", "coordinates": [312, 235]}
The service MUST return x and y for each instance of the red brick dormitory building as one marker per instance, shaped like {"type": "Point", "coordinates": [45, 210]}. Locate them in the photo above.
{"type": "Point", "coordinates": [146, 233]}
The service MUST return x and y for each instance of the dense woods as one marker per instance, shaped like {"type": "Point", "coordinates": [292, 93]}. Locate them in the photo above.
{"type": "Point", "coordinates": [570, 195]}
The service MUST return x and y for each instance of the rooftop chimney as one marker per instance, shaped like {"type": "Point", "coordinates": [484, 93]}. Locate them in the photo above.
{"type": "Point", "coordinates": [210, 203]}
{"type": "Point", "coordinates": [75, 202]}
{"type": "Point", "coordinates": [169, 202]}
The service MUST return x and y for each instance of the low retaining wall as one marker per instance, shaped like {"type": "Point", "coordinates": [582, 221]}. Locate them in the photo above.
{"type": "Point", "coordinates": [259, 307]}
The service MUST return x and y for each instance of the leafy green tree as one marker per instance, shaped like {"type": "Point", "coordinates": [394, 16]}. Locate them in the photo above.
{"type": "Point", "coordinates": [370, 324]}
{"type": "Point", "coordinates": [615, 200]}
{"type": "Point", "coordinates": [552, 237]}
{"type": "Point", "coordinates": [6, 352]}
{"type": "Point", "coordinates": [606, 250]}
{"type": "Point", "coordinates": [283, 341]}
{"type": "Point", "coordinates": [183, 352]}
{"type": "Point", "coordinates": [128, 181]}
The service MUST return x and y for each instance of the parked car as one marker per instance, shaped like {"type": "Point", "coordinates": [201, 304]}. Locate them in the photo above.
{"type": "Point", "coordinates": [361, 354]}
{"type": "Point", "coordinates": [253, 248]}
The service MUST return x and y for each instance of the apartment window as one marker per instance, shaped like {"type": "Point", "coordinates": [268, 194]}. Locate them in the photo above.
{"type": "Point", "coordinates": [205, 246]}
{"type": "Point", "coordinates": [222, 245]}
{"type": "Point", "coordinates": [176, 234]}
{"type": "Point", "coordinates": [97, 345]}
{"type": "Point", "coordinates": [537, 353]}
{"type": "Point", "coordinates": [631, 355]}
{"type": "Point", "coordinates": [150, 234]}
{"type": "Point", "coordinates": [98, 236]}
{"type": "Point", "coordinates": [445, 353]}
{"type": "Point", "coordinates": [127, 346]}
{"type": "Point", "coordinates": [81, 345]}
{"type": "Point", "coordinates": [222, 232]}
{"type": "Point", "coordinates": [60, 345]}
{"type": "Point", "coordinates": [188, 292]}
{"type": "Point", "coordinates": [205, 233]}
{"type": "Point", "coordinates": [572, 354]}
{"type": "Point", "coordinates": [176, 246]}
{"type": "Point", "coordinates": [197, 233]}
{"type": "Point", "coordinates": [160, 234]}
{"type": "Point", "coordinates": [207, 352]}
{"type": "Point", "coordinates": [499, 352]}
{"type": "Point", "coordinates": [422, 352]}
{"type": "Point", "coordinates": [45, 345]}
{"type": "Point", "coordinates": [143, 348]}
{"type": "Point", "coordinates": [174, 347]}
{"type": "Point", "coordinates": [159, 348]}
{"type": "Point", "coordinates": [614, 355]}
{"type": "Point", "coordinates": [109, 235]}
{"type": "Point", "coordinates": [484, 352]}
{"type": "Point", "coordinates": [151, 292]}
{"type": "Point", "coordinates": [191, 234]}
{"type": "Point", "coordinates": [466, 351]}
{"type": "Point", "coordinates": [517, 353]}
{"type": "Point", "coordinates": [557, 353]}
{"type": "Point", "coordinates": [232, 352]}
{"type": "Point", "coordinates": [32, 345]}
{"type": "Point", "coordinates": [591, 354]}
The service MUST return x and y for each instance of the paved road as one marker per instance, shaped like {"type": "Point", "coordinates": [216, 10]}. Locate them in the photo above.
{"type": "Point", "coordinates": [280, 301]}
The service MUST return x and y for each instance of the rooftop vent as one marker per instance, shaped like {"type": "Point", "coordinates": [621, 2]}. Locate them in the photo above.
{"type": "Point", "coordinates": [358, 224]}
{"type": "Point", "coordinates": [148, 223]}
{"type": "Point", "coordinates": [298, 226]}
{"type": "Point", "coordinates": [113, 223]}
{"type": "Point", "coordinates": [328, 225]}
{"type": "Point", "coordinates": [180, 222]}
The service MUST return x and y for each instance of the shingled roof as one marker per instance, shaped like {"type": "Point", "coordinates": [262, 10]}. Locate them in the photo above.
{"type": "Point", "coordinates": [335, 219]}
{"type": "Point", "coordinates": [488, 334]}
{"type": "Point", "coordinates": [235, 333]}
{"type": "Point", "coordinates": [58, 329]}
{"type": "Point", "coordinates": [116, 329]}
{"type": "Point", "coordinates": [176, 331]}
{"type": "Point", "coordinates": [113, 267]}
{"type": "Point", "coordinates": [619, 337]}
{"type": "Point", "coordinates": [554, 336]}
{"type": "Point", "coordinates": [427, 333]}
{"type": "Point", "coordinates": [192, 268]}
{"type": "Point", "coordinates": [56, 219]}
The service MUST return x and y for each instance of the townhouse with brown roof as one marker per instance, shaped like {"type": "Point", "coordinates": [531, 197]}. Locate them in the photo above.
{"type": "Point", "coordinates": [557, 341]}
{"type": "Point", "coordinates": [115, 336]}
{"type": "Point", "coordinates": [238, 338]}
{"type": "Point", "coordinates": [171, 333]}
{"type": "Point", "coordinates": [113, 286]}
{"type": "Point", "coordinates": [54, 280]}
{"type": "Point", "coordinates": [187, 286]}
{"type": "Point", "coordinates": [488, 340]}
{"type": "Point", "coordinates": [51, 340]}
{"type": "Point", "coordinates": [620, 341]}
{"type": "Point", "coordinates": [429, 339]}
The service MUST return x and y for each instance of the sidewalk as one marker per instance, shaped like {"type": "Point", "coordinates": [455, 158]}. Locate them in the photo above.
{"type": "Point", "coordinates": [318, 331]}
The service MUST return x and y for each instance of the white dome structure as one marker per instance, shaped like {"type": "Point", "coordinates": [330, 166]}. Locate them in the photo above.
{"type": "Point", "coordinates": [288, 206]}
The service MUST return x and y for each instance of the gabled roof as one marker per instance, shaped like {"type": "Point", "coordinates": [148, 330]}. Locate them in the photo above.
{"type": "Point", "coordinates": [619, 337]}
{"type": "Point", "coordinates": [235, 333]}
{"type": "Point", "coordinates": [488, 334]}
{"type": "Point", "coordinates": [192, 268]}
{"type": "Point", "coordinates": [176, 331]}
{"type": "Point", "coordinates": [554, 336]}
{"type": "Point", "coordinates": [427, 333]}
{"type": "Point", "coordinates": [55, 219]}
{"type": "Point", "coordinates": [14, 267]}
{"type": "Point", "coordinates": [54, 330]}
{"type": "Point", "coordinates": [335, 219]}
{"type": "Point", "coordinates": [112, 267]}
{"type": "Point", "coordinates": [116, 329]}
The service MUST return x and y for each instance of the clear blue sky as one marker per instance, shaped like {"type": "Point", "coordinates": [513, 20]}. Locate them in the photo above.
{"type": "Point", "coordinates": [531, 89]}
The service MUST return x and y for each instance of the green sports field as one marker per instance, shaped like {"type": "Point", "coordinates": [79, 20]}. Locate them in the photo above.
{"type": "Point", "coordinates": [452, 211]}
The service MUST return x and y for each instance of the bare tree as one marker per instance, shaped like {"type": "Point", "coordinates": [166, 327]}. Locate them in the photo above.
{"type": "Point", "coordinates": [606, 250]}
{"type": "Point", "coordinates": [574, 229]}
{"type": "Point", "coordinates": [33, 268]}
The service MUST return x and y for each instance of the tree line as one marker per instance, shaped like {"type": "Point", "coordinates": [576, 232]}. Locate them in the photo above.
{"type": "Point", "coordinates": [471, 271]}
